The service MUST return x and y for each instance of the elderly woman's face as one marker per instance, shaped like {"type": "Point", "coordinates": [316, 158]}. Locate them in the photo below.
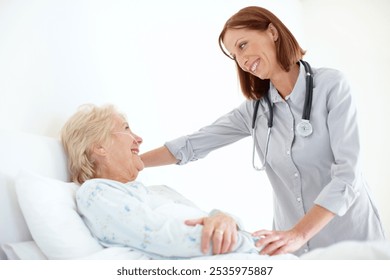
{"type": "Point", "coordinates": [123, 150]}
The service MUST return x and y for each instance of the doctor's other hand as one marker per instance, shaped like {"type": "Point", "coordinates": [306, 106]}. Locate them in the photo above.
{"type": "Point", "coordinates": [279, 242]}
{"type": "Point", "coordinates": [219, 229]}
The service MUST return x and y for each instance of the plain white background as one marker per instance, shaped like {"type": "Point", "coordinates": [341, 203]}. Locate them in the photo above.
{"type": "Point", "coordinates": [159, 63]}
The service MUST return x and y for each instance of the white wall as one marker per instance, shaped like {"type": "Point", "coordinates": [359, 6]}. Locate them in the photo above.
{"type": "Point", "coordinates": [160, 63]}
{"type": "Point", "coordinates": [354, 36]}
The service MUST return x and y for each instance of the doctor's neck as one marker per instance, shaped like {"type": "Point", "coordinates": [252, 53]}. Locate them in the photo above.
{"type": "Point", "coordinates": [285, 82]}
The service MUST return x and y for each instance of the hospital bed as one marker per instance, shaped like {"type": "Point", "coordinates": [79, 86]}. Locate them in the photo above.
{"type": "Point", "coordinates": [39, 219]}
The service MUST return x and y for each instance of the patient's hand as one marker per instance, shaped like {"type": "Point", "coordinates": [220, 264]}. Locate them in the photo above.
{"type": "Point", "coordinates": [220, 229]}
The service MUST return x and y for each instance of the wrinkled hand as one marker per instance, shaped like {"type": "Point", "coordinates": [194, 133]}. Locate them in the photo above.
{"type": "Point", "coordinates": [220, 229]}
{"type": "Point", "coordinates": [278, 242]}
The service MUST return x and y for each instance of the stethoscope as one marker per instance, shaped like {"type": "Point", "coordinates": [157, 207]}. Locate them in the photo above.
{"type": "Point", "coordinates": [303, 128]}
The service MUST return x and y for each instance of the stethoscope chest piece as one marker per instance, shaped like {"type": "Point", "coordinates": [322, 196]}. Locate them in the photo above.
{"type": "Point", "coordinates": [304, 128]}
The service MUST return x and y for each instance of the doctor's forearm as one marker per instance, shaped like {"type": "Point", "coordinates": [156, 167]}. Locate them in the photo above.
{"type": "Point", "coordinates": [157, 157]}
{"type": "Point", "coordinates": [315, 220]}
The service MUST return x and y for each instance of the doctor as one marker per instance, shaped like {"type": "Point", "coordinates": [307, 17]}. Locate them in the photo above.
{"type": "Point", "coordinates": [305, 132]}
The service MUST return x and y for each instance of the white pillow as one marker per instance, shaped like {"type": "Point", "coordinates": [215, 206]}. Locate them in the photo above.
{"type": "Point", "coordinates": [27, 250]}
{"type": "Point", "coordinates": [49, 208]}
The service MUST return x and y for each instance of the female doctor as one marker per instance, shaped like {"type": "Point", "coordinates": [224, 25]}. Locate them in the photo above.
{"type": "Point", "coordinates": [304, 126]}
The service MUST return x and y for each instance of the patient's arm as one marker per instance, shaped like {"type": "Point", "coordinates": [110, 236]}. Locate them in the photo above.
{"type": "Point", "coordinates": [118, 218]}
{"type": "Point", "coordinates": [157, 157]}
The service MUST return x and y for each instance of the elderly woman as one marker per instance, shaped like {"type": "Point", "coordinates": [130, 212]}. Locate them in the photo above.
{"type": "Point", "coordinates": [120, 211]}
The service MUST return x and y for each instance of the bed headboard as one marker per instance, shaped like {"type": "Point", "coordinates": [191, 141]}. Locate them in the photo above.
{"type": "Point", "coordinates": [18, 150]}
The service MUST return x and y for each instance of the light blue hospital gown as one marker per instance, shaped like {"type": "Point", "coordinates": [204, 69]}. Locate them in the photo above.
{"type": "Point", "coordinates": [148, 219]}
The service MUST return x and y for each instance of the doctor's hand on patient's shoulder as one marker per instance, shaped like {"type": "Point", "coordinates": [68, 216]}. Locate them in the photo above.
{"type": "Point", "coordinates": [279, 242]}
{"type": "Point", "coordinates": [220, 229]}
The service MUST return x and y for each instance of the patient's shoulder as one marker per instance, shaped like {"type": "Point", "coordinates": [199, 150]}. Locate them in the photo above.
{"type": "Point", "coordinates": [99, 185]}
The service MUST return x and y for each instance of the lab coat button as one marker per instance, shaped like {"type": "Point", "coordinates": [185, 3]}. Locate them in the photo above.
{"type": "Point", "coordinates": [295, 175]}
{"type": "Point", "coordinates": [288, 152]}
{"type": "Point", "coordinates": [306, 250]}
{"type": "Point", "coordinates": [298, 199]}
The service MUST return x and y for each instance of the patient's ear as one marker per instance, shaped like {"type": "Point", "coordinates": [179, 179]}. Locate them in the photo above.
{"type": "Point", "coordinates": [99, 150]}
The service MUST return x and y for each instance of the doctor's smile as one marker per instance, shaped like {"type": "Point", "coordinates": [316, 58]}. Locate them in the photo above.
{"type": "Point", "coordinates": [254, 66]}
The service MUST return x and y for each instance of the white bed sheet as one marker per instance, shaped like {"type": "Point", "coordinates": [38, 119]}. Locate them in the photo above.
{"type": "Point", "coordinates": [29, 250]}
{"type": "Point", "coordinates": [348, 250]}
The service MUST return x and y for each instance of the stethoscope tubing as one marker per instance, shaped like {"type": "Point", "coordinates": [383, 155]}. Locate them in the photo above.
{"type": "Point", "coordinates": [305, 122]}
{"type": "Point", "coordinates": [309, 91]}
